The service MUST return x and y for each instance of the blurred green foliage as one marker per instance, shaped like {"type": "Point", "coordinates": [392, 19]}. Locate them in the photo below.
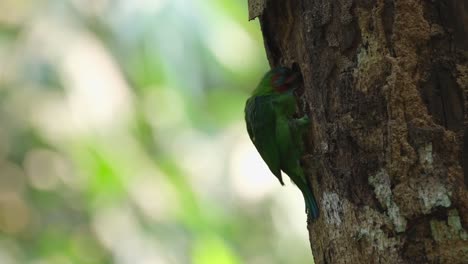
{"type": "Point", "coordinates": [122, 136]}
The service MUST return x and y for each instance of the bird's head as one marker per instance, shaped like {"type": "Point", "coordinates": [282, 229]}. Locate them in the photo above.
{"type": "Point", "coordinates": [278, 80]}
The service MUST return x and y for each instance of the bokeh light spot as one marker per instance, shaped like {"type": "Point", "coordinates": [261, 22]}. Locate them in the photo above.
{"type": "Point", "coordinates": [44, 168]}
{"type": "Point", "coordinates": [14, 213]}
{"type": "Point", "coordinates": [210, 249]}
{"type": "Point", "coordinates": [250, 176]}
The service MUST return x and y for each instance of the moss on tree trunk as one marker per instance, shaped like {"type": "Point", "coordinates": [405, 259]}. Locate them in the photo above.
{"type": "Point", "coordinates": [385, 84]}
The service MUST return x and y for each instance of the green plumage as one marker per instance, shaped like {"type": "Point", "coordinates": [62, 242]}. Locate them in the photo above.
{"type": "Point", "coordinates": [275, 132]}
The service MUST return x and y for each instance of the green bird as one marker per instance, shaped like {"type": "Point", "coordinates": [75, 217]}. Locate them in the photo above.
{"type": "Point", "coordinates": [277, 135]}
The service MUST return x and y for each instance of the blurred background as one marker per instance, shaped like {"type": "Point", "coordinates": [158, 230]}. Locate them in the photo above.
{"type": "Point", "coordinates": [122, 137]}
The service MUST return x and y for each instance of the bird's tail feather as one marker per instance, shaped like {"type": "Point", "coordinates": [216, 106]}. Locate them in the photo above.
{"type": "Point", "coordinates": [310, 201]}
{"type": "Point", "coordinates": [311, 204]}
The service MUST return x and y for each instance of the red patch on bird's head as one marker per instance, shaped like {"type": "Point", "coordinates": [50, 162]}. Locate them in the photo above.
{"type": "Point", "coordinates": [283, 79]}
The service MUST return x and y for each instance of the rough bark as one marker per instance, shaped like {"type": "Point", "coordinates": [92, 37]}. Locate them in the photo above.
{"type": "Point", "coordinates": [385, 84]}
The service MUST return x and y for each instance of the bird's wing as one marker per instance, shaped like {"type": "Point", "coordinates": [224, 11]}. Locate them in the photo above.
{"type": "Point", "coordinates": [260, 118]}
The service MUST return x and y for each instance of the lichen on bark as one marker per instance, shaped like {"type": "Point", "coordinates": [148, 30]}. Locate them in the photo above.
{"type": "Point", "coordinates": [383, 192]}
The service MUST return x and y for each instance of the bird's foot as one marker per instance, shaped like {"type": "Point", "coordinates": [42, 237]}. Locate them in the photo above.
{"type": "Point", "coordinates": [302, 123]}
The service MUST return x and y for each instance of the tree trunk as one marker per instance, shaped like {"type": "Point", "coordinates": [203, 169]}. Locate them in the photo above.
{"type": "Point", "coordinates": [385, 84]}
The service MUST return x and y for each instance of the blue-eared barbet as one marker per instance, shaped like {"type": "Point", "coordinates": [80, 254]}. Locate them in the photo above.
{"type": "Point", "coordinates": [276, 133]}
